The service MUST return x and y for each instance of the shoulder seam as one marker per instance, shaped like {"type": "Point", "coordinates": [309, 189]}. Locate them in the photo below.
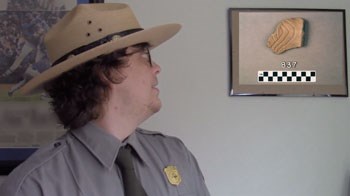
{"type": "Point", "coordinates": [35, 168]}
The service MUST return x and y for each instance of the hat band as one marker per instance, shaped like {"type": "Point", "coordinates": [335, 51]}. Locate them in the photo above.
{"type": "Point", "coordinates": [94, 44]}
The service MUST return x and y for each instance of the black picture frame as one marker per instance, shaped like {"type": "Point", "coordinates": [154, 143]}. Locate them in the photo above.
{"type": "Point", "coordinates": [11, 157]}
{"type": "Point", "coordinates": [316, 68]}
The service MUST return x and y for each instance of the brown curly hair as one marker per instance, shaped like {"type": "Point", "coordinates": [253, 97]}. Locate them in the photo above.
{"type": "Point", "coordinates": [77, 95]}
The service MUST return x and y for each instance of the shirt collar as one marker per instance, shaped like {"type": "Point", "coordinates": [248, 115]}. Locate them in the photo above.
{"type": "Point", "coordinates": [105, 147]}
{"type": "Point", "coordinates": [99, 142]}
{"type": "Point", "coordinates": [135, 141]}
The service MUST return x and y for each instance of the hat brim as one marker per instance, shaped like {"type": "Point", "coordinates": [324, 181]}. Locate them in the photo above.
{"type": "Point", "coordinates": [154, 36]}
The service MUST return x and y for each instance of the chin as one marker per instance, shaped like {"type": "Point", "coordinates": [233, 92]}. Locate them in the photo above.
{"type": "Point", "coordinates": [155, 107]}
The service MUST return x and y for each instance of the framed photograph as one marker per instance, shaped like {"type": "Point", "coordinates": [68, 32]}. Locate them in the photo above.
{"type": "Point", "coordinates": [287, 52]}
{"type": "Point", "coordinates": [25, 121]}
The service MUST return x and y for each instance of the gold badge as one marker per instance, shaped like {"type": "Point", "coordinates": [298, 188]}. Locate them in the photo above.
{"type": "Point", "coordinates": [173, 175]}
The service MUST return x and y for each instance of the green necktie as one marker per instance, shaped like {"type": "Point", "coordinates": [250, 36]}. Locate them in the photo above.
{"type": "Point", "coordinates": [132, 186]}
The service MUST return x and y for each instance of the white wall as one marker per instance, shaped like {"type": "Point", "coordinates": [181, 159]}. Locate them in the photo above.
{"type": "Point", "coordinates": [246, 146]}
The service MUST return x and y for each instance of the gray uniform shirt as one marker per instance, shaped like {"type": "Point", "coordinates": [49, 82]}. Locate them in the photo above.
{"type": "Point", "coordinates": [81, 163]}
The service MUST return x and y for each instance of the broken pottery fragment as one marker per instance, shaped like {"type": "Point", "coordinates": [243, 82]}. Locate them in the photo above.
{"type": "Point", "coordinates": [288, 34]}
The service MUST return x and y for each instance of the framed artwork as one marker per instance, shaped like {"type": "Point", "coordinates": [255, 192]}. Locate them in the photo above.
{"type": "Point", "coordinates": [23, 24]}
{"type": "Point", "coordinates": [22, 51]}
{"type": "Point", "coordinates": [287, 52]}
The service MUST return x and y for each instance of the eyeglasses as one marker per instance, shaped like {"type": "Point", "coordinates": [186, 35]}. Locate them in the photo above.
{"type": "Point", "coordinates": [145, 51]}
{"type": "Point", "coordinates": [148, 53]}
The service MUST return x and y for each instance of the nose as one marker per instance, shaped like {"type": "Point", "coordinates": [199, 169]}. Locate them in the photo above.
{"type": "Point", "coordinates": [156, 68]}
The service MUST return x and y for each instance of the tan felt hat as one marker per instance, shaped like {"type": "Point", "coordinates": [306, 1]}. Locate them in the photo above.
{"type": "Point", "coordinates": [91, 30]}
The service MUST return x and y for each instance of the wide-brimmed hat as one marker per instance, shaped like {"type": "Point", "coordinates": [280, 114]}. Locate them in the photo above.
{"type": "Point", "coordinates": [91, 30]}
